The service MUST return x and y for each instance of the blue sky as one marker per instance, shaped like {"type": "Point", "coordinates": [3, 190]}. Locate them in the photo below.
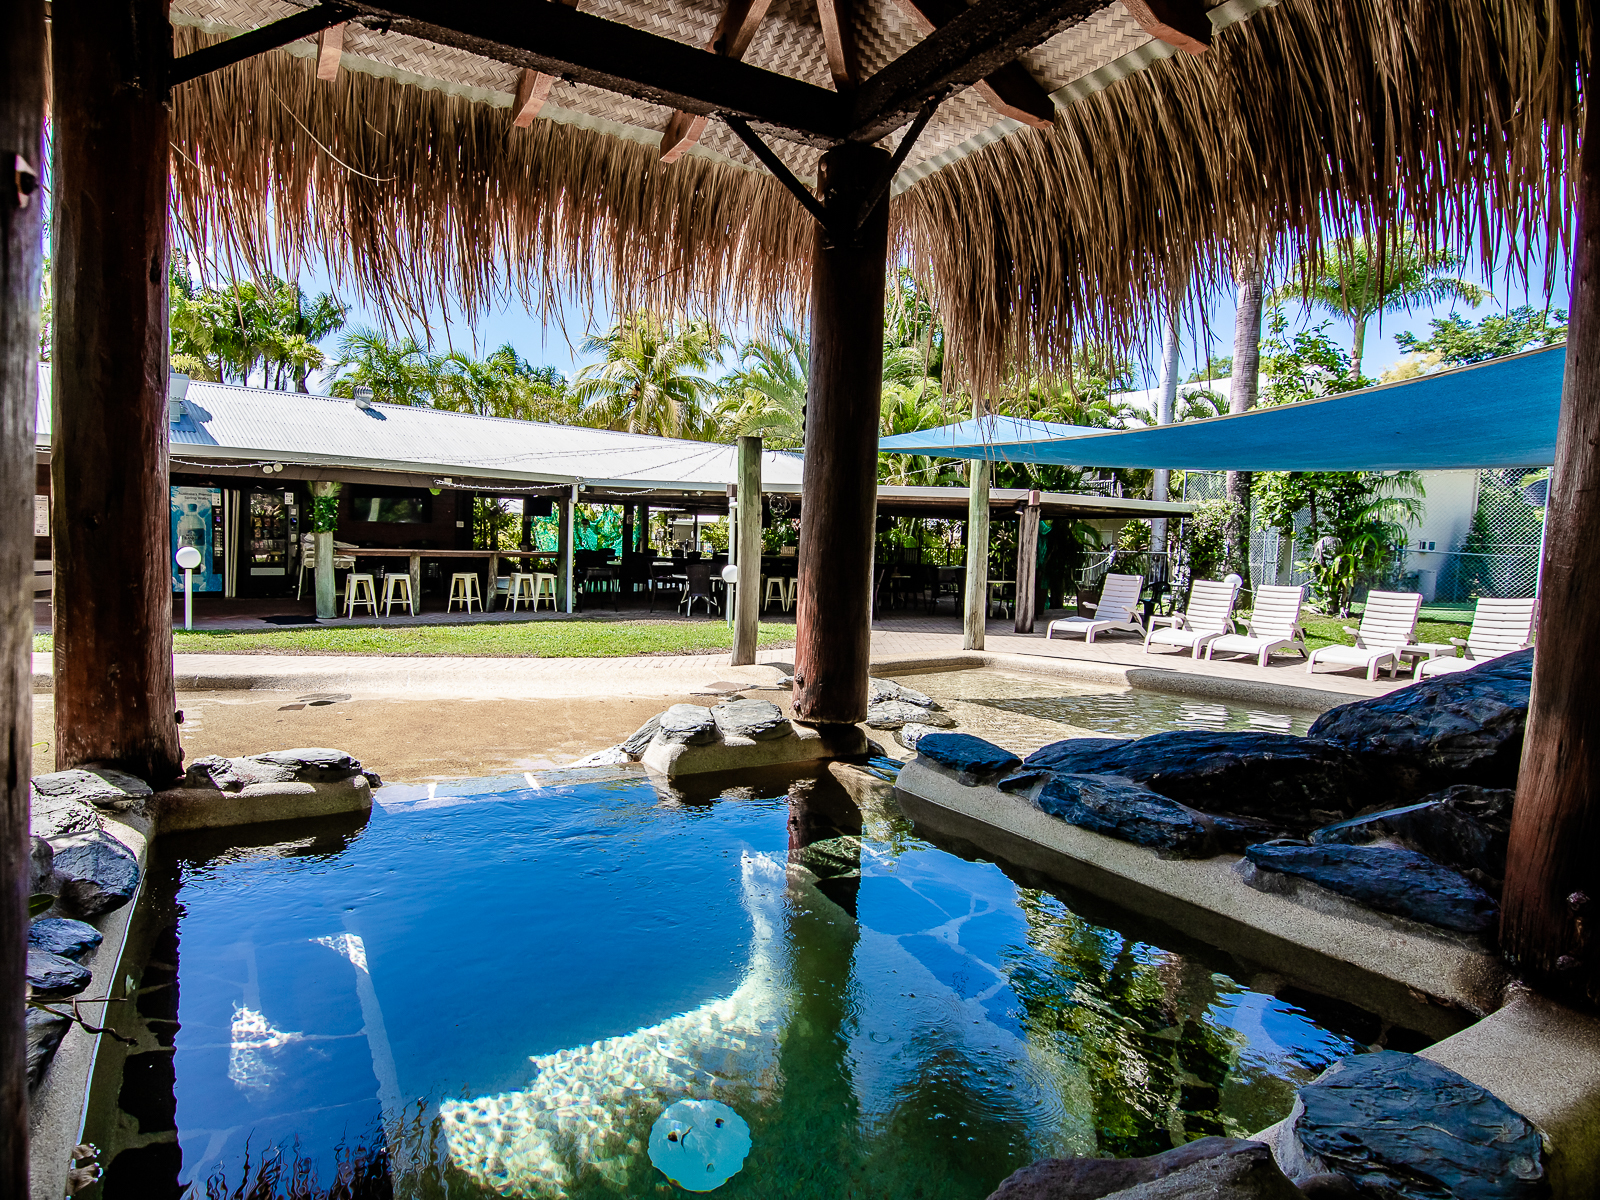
{"type": "Point", "coordinates": [559, 344]}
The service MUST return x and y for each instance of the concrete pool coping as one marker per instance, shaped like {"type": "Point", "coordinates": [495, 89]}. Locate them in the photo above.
{"type": "Point", "coordinates": [1539, 1057]}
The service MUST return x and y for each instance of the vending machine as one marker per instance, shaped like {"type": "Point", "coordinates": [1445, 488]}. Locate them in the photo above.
{"type": "Point", "coordinates": [197, 522]}
{"type": "Point", "coordinates": [270, 544]}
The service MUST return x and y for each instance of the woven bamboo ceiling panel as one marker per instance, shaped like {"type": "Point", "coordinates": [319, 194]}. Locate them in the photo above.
{"type": "Point", "coordinates": [1076, 62]}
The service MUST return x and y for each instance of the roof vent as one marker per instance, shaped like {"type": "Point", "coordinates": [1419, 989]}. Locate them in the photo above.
{"type": "Point", "coordinates": [177, 389]}
{"type": "Point", "coordinates": [363, 398]}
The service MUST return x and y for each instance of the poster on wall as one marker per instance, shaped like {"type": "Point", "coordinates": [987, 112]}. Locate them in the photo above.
{"type": "Point", "coordinates": [197, 522]}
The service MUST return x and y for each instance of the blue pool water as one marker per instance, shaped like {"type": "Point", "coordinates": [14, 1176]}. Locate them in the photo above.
{"type": "Point", "coordinates": [479, 992]}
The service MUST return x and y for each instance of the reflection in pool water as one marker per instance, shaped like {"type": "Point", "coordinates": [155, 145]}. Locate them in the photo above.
{"type": "Point", "coordinates": [498, 993]}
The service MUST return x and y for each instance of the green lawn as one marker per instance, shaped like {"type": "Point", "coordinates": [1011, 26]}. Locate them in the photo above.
{"type": "Point", "coordinates": [1328, 631]}
{"type": "Point", "coordinates": [532, 639]}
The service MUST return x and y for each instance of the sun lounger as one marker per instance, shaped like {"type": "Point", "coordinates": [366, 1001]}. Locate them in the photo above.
{"type": "Point", "coordinates": [1387, 627]}
{"type": "Point", "coordinates": [1273, 625]}
{"type": "Point", "coordinates": [1118, 609]}
{"type": "Point", "coordinates": [1207, 617]}
{"type": "Point", "coordinates": [1498, 627]}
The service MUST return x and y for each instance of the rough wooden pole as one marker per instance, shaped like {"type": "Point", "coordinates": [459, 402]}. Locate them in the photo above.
{"type": "Point", "coordinates": [1550, 916]}
{"type": "Point", "coordinates": [747, 524]}
{"type": "Point", "coordinates": [644, 529]}
{"type": "Point", "coordinates": [22, 91]}
{"type": "Point", "coordinates": [840, 481]}
{"type": "Point", "coordinates": [1027, 563]}
{"type": "Point", "coordinates": [975, 595]}
{"type": "Point", "coordinates": [568, 519]}
{"type": "Point", "coordinates": [1166, 406]}
{"type": "Point", "coordinates": [114, 699]}
{"type": "Point", "coordinates": [1242, 398]}
{"type": "Point", "coordinates": [322, 545]}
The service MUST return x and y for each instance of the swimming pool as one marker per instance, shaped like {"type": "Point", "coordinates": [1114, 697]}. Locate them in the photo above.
{"type": "Point", "coordinates": [490, 988]}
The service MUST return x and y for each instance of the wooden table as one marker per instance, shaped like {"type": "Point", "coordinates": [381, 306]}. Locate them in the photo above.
{"type": "Point", "coordinates": [415, 558]}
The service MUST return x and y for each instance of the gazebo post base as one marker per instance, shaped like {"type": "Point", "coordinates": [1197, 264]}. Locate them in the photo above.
{"type": "Point", "coordinates": [840, 482]}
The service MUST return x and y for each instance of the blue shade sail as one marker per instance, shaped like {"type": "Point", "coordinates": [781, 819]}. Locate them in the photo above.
{"type": "Point", "coordinates": [1501, 413]}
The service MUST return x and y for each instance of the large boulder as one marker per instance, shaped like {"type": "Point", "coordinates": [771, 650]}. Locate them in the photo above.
{"type": "Point", "coordinates": [1464, 826]}
{"type": "Point", "coordinates": [45, 1031]}
{"type": "Point", "coordinates": [879, 690]}
{"type": "Point", "coordinates": [1290, 783]}
{"type": "Point", "coordinates": [1406, 1128]}
{"type": "Point", "coordinates": [52, 977]}
{"type": "Point", "coordinates": [893, 714]}
{"type": "Point", "coordinates": [101, 787]}
{"type": "Point", "coordinates": [639, 740]}
{"type": "Point", "coordinates": [1460, 728]}
{"type": "Point", "coordinates": [1128, 811]}
{"type": "Point", "coordinates": [1092, 1178]}
{"type": "Point", "coordinates": [688, 725]}
{"type": "Point", "coordinates": [758, 720]}
{"type": "Point", "coordinates": [1386, 878]}
{"type": "Point", "coordinates": [308, 764]}
{"type": "Point", "coordinates": [97, 872]}
{"type": "Point", "coordinates": [41, 862]}
{"type": "Point", "coordinates": [970, 759]}
{"type": "Point", "coordinates": [61, 935]}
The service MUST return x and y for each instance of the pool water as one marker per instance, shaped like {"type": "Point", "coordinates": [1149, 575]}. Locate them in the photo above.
{"type": "Point", "coordinates": [494, 989]}
{"type": "Point", "coordinates": [1024, 712]}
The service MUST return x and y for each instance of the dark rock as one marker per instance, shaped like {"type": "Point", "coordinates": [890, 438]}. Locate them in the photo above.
{"type": "Point", "coordinates": [1389, 879]}
{"type": "Point", "coordinates": [1289, 782]}
{"type": "Point", "coordinates": [973, 760]}
{"type": "Point", "coordinates": [1327, 1186]}
{"type": "Point", "coordinates": [1406, 1128]}
{"type": "Point", "coordinates": [759, 720]}
{"type": "Point", "coordinates": [97, 872]}
{"type": "Point", "coordinates": [892, 714]}
{"type": "Point", "coordinates": [45, 1031]}
{"type": "Point", "coordinates": [63, 936]}
{"type": "Point", "coordinates": [51, 817]}
{"type": "Point", "coordinates": [1091, 1178]}
{"type": "Point", "coordinates": [1247, 1172]}
{"type": "Point", "coordinates": [308, 764]}
{"type": "Point", "coordinates": [1128, 811]}
{"type": "Point", "coordinates": [312, 764]}
{"type": "Point", "coordinates": [52, 977]}
{"type": "Point", "coordinates": [1233, 834]}
{"type": "Point", "coordinates": [1022, 781]}
{"type": "Point", "coordinates": [1461, 728]}
{"type": "Point", "coordinates": [101, 787]}
{"type": "Point", "coordinates": [635, 746]}
{"type": "Point", "coordinates": [909, 734]}
{"type": "Point", "coordinates": [1464, 826]}
{"type": "Point", "coordinates": [690, 724]}
{"type": "Point", "coordinates": [41, 861]}
{"type": "Point", "coordinates": [879, 690]}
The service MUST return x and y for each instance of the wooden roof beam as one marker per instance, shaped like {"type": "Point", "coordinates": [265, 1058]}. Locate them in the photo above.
{"type": "Point", "coordinates": [1011, 91]}
{"type": "Point", "coordinates": [735, 31]}
{"type": "Point", "coordinates": [974, 45]}
{"type": "Point", "coordinates": [838, 40]}
{"type": "Point", "coordinates": [564, 42]}
{"type": "Point", "coordinates": [330, 48]}
{"type": "Point", "coordinates": [533, 89]}
{"type": "Point", "coordinates": [1181, 24]}
{"type": "Point", "coordinates": [306, 23]}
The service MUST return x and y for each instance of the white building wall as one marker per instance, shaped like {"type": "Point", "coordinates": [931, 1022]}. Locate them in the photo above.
{"type": "Point", "coordinates": [1451, 499]}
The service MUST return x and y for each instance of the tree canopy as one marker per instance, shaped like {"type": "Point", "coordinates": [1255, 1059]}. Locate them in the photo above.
{"type": "Point", "coordinates": [1455, 341]}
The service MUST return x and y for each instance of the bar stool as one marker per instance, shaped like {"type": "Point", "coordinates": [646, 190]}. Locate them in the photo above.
{"type": "Point", "coordinates": [360, 589]}
{"type": "Point", "coordinates": [393, 586]}
{"type": "Point", "coordinates": [522, 588]}
{"type": "Point", "coordinates": [776, 590]}
{"type": "Point", "coordinates": [791, 592]}
{"type": "Point", "coordinates": [544, 588]}
{"type": "Point", "coordinates": [464, 590]}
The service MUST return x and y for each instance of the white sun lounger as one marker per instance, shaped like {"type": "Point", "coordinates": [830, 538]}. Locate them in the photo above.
{"type": "Point", "coordinates": [1273, 625]}
{"type": "Point", "coordinates": [1387, 627]}
{"type": "Point", "coordinates": [1208, 616]}
{"type": "Point", "coordinates": [1498, 627]}
{"type": "Point", "coordinates": [1118, 609]}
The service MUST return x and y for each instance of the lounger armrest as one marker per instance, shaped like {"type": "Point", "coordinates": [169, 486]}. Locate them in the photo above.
{"type": "Point", "coordinates": [1459, 643]}
{"type": "Point", "coordinates": [1176, 620]}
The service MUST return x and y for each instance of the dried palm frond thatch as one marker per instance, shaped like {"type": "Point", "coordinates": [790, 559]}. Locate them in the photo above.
{"type": "Point", "coordinates": [1310, 121]}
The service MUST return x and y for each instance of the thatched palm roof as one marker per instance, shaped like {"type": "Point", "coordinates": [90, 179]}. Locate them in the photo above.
{"type": "Point", "coordinates": [1305, 119]}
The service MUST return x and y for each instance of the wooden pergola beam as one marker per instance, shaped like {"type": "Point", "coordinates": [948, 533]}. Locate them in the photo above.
{"type": "Point", "coordinates": [292, 28]}
{"type": "Point", "coordinates": [1011, 91]}
{"type": "Point", "coordinates": [735, 31]}
{"type": "Point", "coordinates": [838, 41]}
{"type": "Point", "coordinates": [977, 43]}
{"type": "Point", "coordinates": [330, 49]}
{"type": "Point", "coordinates": [1181, 24]}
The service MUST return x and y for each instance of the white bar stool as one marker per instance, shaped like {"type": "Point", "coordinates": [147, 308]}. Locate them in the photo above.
{"type": "Point", "coordinates": [522, 588]}
{"type": "Point", "coordinates": [393, 586]}
{"type": "Point", "coordinates": [544, 588]}
{"type": "Point", "coordinates": [360, 589]}
{"type": "Point", "coordinates": [778, 591]}
{"type": "Point", "coordinates": [791, 592]}
{"type": "Point", "coordinates": [464, 591]}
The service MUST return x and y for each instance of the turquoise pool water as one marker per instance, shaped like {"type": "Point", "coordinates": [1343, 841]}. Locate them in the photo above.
{"type": "Point", "coordinates": [494, 989]}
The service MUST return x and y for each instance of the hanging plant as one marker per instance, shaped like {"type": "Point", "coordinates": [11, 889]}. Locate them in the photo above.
{"type": "Point", "coordinates": [325, 511]}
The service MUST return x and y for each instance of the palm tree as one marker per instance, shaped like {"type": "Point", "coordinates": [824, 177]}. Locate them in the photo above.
{"type": "Point", "coordinates": [398, 371]}
{"type": "Point", "coordinates": [767, 395]}
{"type": "Point", "coordinates": [1363, 280]}
{"type": "Point", "coordinates": [502, 385]}
{"type": "Point", "coordinates": [650, 379]}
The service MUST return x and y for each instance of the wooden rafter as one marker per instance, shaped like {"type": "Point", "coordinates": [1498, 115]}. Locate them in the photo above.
{"type": "Point", "coordinates": [330, 48]}
{"type": "Point", "coordinates": [1011, 91]}
{"type": "Point", "coordinates": [838, 39]}
{"type": "Point", "coordinates": [292, 28]}
{"type": "Point", "coordinates": [735, 31]}
{"type": "Point", "coordinates": [1181, 24]}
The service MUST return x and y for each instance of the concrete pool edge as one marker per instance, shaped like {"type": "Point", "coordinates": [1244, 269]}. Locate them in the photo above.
{"type": "Point", "coordinates": [1540, 1058]}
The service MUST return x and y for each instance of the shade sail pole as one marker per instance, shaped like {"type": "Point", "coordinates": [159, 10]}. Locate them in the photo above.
{"type": "Point", "coordinates": [1550, 922]}
{"type": "Point", "coordinates": [839, 484]}
{"type": "Point", "coordinates": [114, 699]}
{"type": "Point", "coordinates": [22, 92]}
{"type": "Point", "coordinates": [747, 553]}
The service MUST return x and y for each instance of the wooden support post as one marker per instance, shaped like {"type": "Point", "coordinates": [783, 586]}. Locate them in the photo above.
{"type": "Point", "coordinates": [627, 532]}
{"type": "Point", "coordinates": [1027, 563]}
{"type": "Point", "coordinates": [22, 92]}
{"type": "Point", "coordinates": [644, 529]}
{"type": "Point", "coordinates": [568, 505]}
{"type": "Point", "coordinates": [839, 485]}
{"type": "Point", "coordinates": [747, 599]}
{"type": "Point", "coordinates": [1550, 913]}
{"type": "Point", "coordinates": [1242, 398]}
{"type": "Point", "coordinates": [975, 600]}
{"type": "Point", "coordinates": [322, 544]}
{"type": "Point", "coordinates": [114, 699]}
